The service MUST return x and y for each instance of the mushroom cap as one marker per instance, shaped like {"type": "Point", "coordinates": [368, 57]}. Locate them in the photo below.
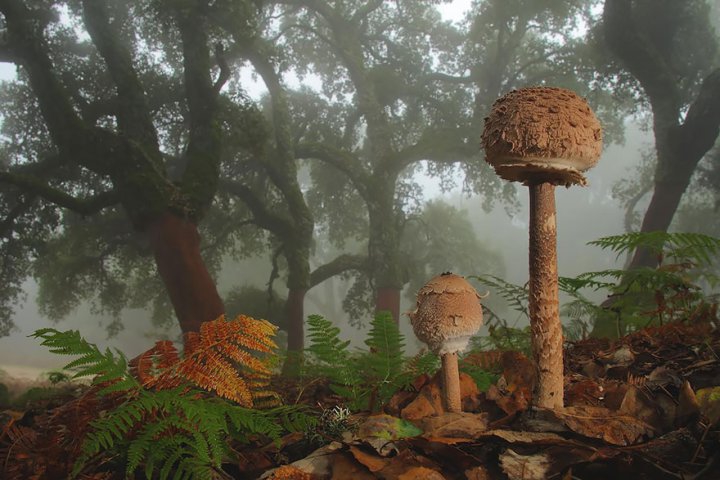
{"type": "Point", "coordinates": [447, 314]}
{"type": "Point", "coordinates": [542, 134]}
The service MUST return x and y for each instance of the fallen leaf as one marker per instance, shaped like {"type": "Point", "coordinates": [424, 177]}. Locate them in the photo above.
{"type": "Point", "coordinates": [599, 422]}
{"type": "Point", "coordinates": [709, 403]}
{"type": "Point", "coordinates": [372, 462]}
{"type": "Point", "coordinates": [404, 461]}
{"type": "Point", "coordinates": [429, 401]}
{"type": "Point", "coordinates": [525, 467]}
{"type": "Point", "coordinates": [288, 472]}
{"type": "Point", "coordinates": [455, 425]}
{"type": "Point", "coordinates": [638, 405]}
{"type": "Point", "coordinates": [513, 436]}
{"type": "Point", "coordinates": [316, 464]}
{"type": "Point", "coordinates": [688, 406]}
{"type": "Point", "coordinates": [421, 473]}
{"type": "Point", "coordinates": [477, 473]}
{"type": "Point", "coordinates": [344, 467]}
{"type": "Point", "coordinates": [387, 427]}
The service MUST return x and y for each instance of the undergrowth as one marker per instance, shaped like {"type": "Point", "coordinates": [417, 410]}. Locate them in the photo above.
{"type": "Point", "coordinates": [366, 379]}
{"type": "Point", "coordinates": [175, 415]}
{"type": "Point", "coordinates": [677, 290]}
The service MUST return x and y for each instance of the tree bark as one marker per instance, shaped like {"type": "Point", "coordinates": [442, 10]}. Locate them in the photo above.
{"type": "Point", "coordinates": [679, 146]}
{"type": "Point", "coordinates": [192, 291]}
{"type": "Point", "coordinates": [295, 317]}
{"type": "Point", "coordinates": [388, 299]}
{"type": "Point", "coordinates": [547, 336]}
{"type": "Point", "coordinates": [294, 313]}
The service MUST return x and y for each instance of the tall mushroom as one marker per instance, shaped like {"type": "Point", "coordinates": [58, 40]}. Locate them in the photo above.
{"type": "Point", "coordinates": [447, 314]}
{"type": "Point", "coordinates": [543, 137]}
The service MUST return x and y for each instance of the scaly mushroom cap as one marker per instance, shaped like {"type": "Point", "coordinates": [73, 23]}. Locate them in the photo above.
{"type": "Point", "coordinates": [542, 134]}
{"type": "Point", "coordinates": [447, 314]}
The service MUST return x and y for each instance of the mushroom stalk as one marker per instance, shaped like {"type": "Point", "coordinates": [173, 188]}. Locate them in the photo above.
{"type": "Point", "coordinates": [451, 382]}
{"type": "Point", "coordinates": [547, 337]}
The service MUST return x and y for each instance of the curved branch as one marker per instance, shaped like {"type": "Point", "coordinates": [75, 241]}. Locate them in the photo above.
{"type": "Point", "coordinates": [82, 206]}
{"type": "Point", "coordinates": [339, 265]}
{"type": "Point", "coordinates": [346, 162]}
{"type": "Point", "coordinates": [263, 216]}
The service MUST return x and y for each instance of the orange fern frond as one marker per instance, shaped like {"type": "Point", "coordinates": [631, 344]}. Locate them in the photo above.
{"type": "Point", "coordinates": [222, 357]}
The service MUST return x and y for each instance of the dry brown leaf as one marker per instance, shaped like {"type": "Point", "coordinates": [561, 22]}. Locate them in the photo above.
{"type": "Point", "coordinates": [372, 462]}
{"type": "Point", "coordinates": [344, 467]}
{"type": "Point", "coordinates": [429, 401]}
{"type": "Point", "coordinates": [525, 467]}
{"type": "Point", "coordinates": [421, 473]}
{"type": "Point", "coordinates": [455, 425]}
{"type": "Point", "coordinates": [598, 422]}
{"type": "Point", "coordinates": [477, 473]}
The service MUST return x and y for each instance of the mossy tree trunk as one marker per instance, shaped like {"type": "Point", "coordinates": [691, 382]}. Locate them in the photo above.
{"type": "Point", "coordinates": [128, 159]}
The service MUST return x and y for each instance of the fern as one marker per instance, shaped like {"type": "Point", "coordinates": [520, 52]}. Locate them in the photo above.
{"type": "Point", "coordinates": [365, 379]}
{"type": "Point", "coordinates": [164, 420]}
{"type": "Point", "coordinates": [663, 244]}
{"type": "Point", "coordinates": [108, 368]}
{"type": "Point", "coordinates": [516, 296]}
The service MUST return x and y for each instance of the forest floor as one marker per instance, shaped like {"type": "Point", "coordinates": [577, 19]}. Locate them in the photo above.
{"type": "Point", "coordinates": [645, 406]}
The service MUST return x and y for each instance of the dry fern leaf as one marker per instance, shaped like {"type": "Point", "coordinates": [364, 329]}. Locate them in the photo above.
{"type": "Point", "coordinates": [222, 357]}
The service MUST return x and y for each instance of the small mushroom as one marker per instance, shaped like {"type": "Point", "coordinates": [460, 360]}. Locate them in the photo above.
{"type": "Point", "coordinates": [447, 314]}
{"type": "Point", "coordinates": [543, 137]}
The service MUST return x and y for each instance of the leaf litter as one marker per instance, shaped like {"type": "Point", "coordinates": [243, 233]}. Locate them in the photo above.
{"type": "Point", "coordinates": [645, 406]}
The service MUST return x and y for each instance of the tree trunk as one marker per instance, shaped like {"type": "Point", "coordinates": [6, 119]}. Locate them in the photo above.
{"type": "Point", "coordinates": [295, 317]}
{"type": "Point", "coordinates": [388, 299]}
{"type": "Point", "coordinates": [547, 336]}
{"type": "Point", "coordinates": [658, 216]}
{"type": "Point", "coordinates": [192, 291]}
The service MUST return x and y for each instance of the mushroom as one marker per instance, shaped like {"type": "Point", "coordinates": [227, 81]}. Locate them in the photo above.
{"type": "Point", "coordinates": [447, 314]}
{"type": "Point", "coordinates": [543, 137]}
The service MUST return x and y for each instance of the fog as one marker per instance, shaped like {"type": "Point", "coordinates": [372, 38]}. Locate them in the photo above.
{"type": "Point", "coordinates": [583, 214]}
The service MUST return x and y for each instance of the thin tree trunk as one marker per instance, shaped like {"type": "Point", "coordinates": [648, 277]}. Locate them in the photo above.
{"type": "Point", "coordinates": [388, 299]}
{"type": "Point", "coordinates": [192, 291]}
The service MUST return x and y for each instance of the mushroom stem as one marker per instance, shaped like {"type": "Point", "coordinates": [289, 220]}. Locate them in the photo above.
{"type": "Point", "coordinates": [451, 382]}
{"type": "Point", "coordinates": [547, 337]}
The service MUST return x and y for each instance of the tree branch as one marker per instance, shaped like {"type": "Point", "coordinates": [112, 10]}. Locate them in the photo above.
{"type": "Point", "coordinates": [82, 206]}
{"type": "Point", "coordinates": [263, 217]}
{"type": "Point", "coordinates": [132, 111]}
{"type": "Point", "coordinates": [344, 161]}
{"type": "Point", "coordinates": [441, 146]}
{"type": "Point", "coordinates": [701, 127]}
{"type": "Point", "coordinates": [26, 45]}
{"type": "Point", "coordinates": [341, 264]}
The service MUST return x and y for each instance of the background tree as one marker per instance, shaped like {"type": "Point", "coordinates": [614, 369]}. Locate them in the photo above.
{"type": "Point", "coordinates": [126, 131]}
{"type": "Point", "coordinates": [417, 90]}
{"type": "Point", "coordinates": [671, 49]}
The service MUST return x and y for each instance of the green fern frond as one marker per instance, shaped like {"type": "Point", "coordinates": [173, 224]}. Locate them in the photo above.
{"type": "Point", "coordinates": [679, 245]}
{"type": "Point", "coordinates": [516, 296]}
{"type": "Point", "coordinates": [107, 368]}
{"type": "Point", "coordinates": [386, 345]}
